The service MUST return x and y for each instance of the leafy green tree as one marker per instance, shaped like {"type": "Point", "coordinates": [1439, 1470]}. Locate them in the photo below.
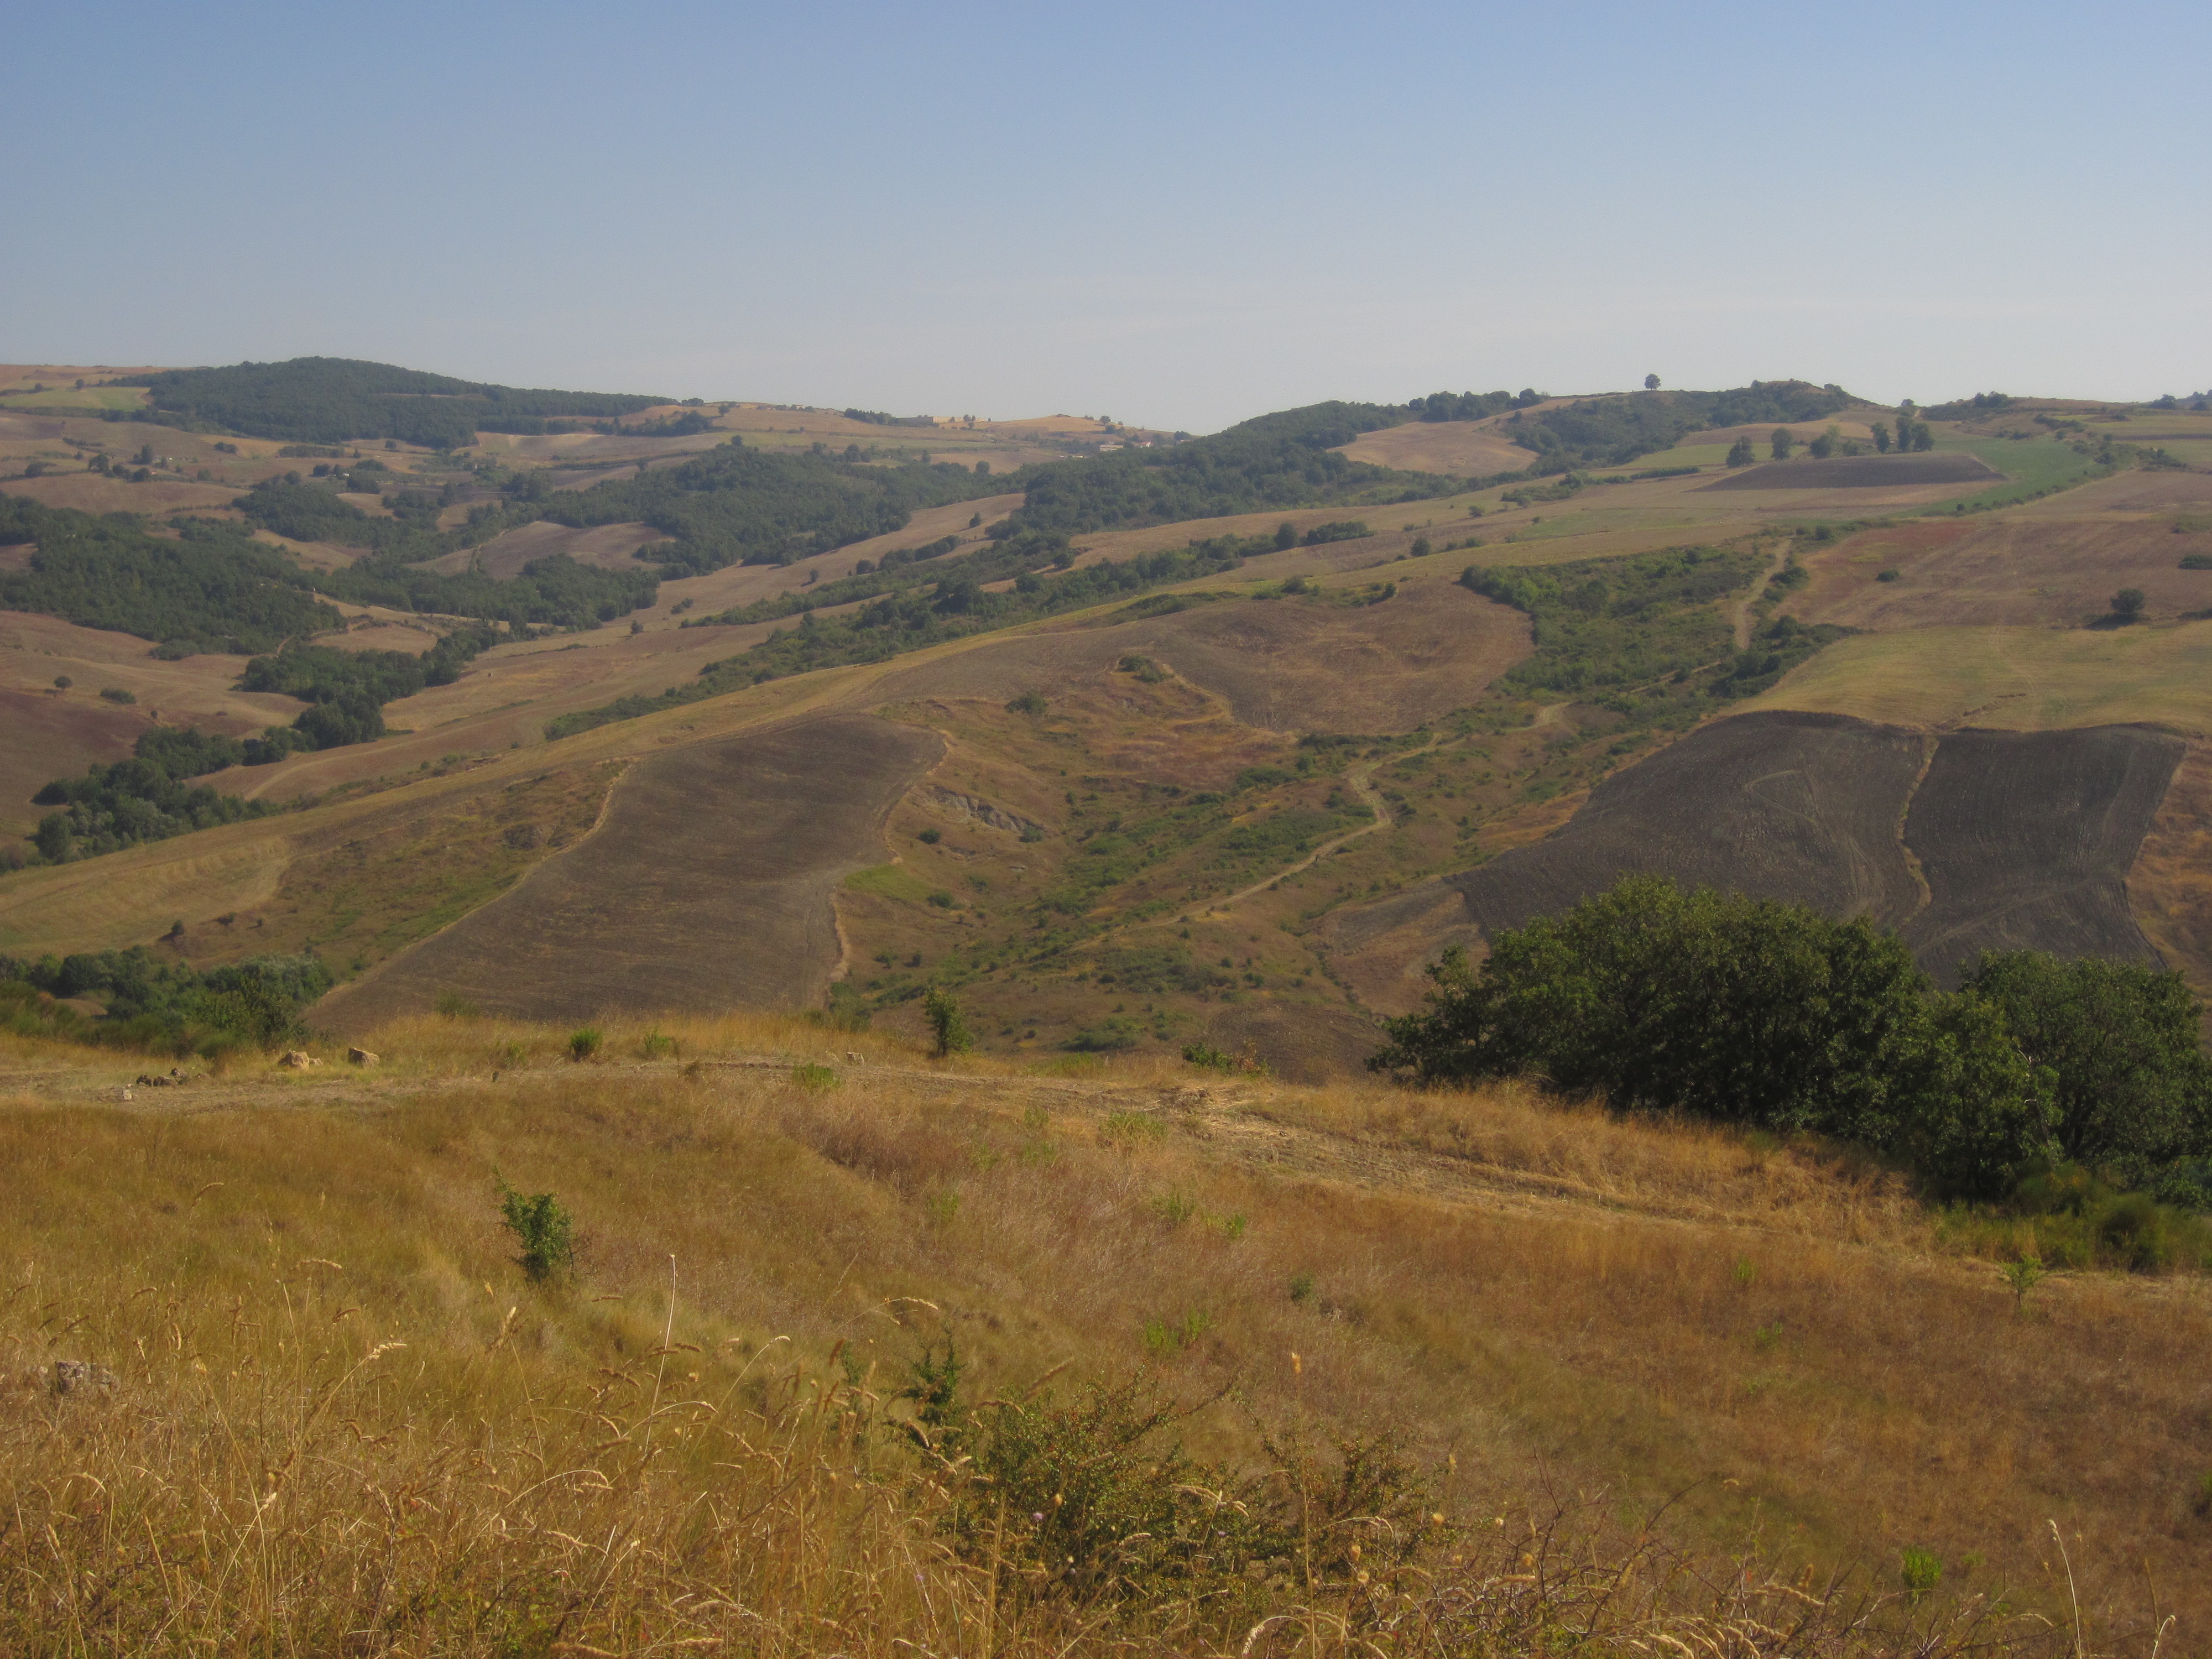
{"type": "Point", "coordinates": [1882, 437]}
{"type": "Point", "coordinates": [2117, 1042]}
{"type": "Point", "coordinates": [1783, 442]}
{"type": "Point", "coordinates": [1651, 383]}
{"type": "Point", "coordinates": [1826, 444]}
{"type": "Point", "coordinates": [1740, 1010]}
{"type": "Point", "coordinates": [1740, 452]}
{"type": "Point", "coordinates": [948, 1026]}
{"type": "Point", "coordinates": [2128, 604]}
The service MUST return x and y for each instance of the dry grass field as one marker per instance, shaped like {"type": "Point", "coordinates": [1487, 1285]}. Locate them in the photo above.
{"type": "Point", "coordinates": [1465, 449]}
{"type": "Point", "coordinates": [51, 733]}
{"type": "Point", "coordinates": [2017, 679]}
{"type": "Point", "coordinates": [2002, 572]}
{"type": "Point", "coordinates": [1287, 664]}
{"type": "Point", "coordinates": [339, 1407]}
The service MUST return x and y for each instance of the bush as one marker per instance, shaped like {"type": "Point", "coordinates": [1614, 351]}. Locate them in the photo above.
{"type": "Point", "coordinates": [116, 694]}
{"type": "Point", "coordinates": [545, 1229]}
{"type": "Point", "coordinates": [585, 1043]}
{"type": "Point", "coordinates": [2119, 1042]}
{"type": "Point", "coordinates": [1738, 1010]}
{"type": "Point", "coordinates": [948, 1026]}
{"type": "Point", "coordinates": [1094, 1501]}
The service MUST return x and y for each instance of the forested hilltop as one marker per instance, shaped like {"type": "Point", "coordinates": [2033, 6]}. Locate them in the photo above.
{"type": "Point", "coordinates": [328, 400]}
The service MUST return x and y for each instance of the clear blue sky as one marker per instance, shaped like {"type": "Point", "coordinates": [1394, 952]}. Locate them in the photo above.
{"type": "Point", "coordinates": [1178, 215]}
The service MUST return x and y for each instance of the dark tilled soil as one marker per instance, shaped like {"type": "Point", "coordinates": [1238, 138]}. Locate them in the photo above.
{"type": "Point", "coordinates": [2022, 840]}
{"type": "Point", "coordinates": [1860, 472]}
{"type": "Point", "coordinates": [1795, 806]}
{"type": "Point", "coordinates": [708, 886]}
{"type": "Point", "coordinates": [2026, 838]}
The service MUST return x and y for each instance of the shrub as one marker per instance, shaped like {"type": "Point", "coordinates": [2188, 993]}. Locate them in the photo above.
{"type": "Point", "coordinates": [814, 1078]}
{"type": "Point", "coordinates": [656, 1045]}
{"type": "Point", "coordinates": [2131, 1087]}
{"type": "Point", "coordinates": [1920, 1571]}
{"type": "Point", "coordinates": [63, 682]}
{"type": "Point", "coordinates": [1029, 702]}
{"type": "Point", "coordinates": [930, 837]}
{"type": "Point", "coordinates": [1740, 1010]}
{"type": "Point", "coordinates": [948, 1027]}
{"type": "Point", "coordinates": [1094, 1501]}
{"type": "Point", "coordinates": [585, 1043]}
{"type": "Point", "coordinates": [116, 694]}
{"type": "Point", "coordinates": [542, 1224]}
{"type": "Point", "coordinates": [454, 1005]}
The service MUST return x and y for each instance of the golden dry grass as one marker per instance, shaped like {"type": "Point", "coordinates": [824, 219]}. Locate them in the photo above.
{"type": "Point", "coordinates": [1626, 1311]}
{"type": "Point", "coordinates": [2017, 679]}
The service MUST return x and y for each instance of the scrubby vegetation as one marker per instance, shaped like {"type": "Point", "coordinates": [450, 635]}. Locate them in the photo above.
{"type": "Point", "coordinates": [1277, 460]}
{"type": "Point", "coordinates": [1613, 431]}
{"type": "Point", "coordinates": [147, 797]}
{"type": "Point", "coordinates": [328, 400]}
{"type": "Point", "coordinates": [206, 590]}
{"type": "Point", "coordinates": [908, 618]}
{"type": "Point", "coordinates": [737, 505]}
{"type": "Point", "coordinates": [551, 592]}
{"type": "Point", "coordinates": [161, 1007]}
{"type": "Point", "coordinates": [1776, 1018]}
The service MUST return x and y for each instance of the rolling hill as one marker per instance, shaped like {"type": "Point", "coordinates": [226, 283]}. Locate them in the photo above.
{"type": "Point", "coordinates": [722, 746]}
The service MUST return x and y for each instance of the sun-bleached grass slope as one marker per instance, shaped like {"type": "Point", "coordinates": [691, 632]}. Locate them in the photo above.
{"type": "Point", "coordinates": [1652, 1313]}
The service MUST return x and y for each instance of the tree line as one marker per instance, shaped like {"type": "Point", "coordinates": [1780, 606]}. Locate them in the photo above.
{"type": "Point", "coordinates": [162, 1006]}
{"type": "Point", "coordinates": [1774, 1016]}
{"type": "Point", "coordinates": [328, 400]}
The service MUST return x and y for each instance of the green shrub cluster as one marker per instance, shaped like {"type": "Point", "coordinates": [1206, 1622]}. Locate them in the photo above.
{"type": "Point", "coordinates": [1613, 431]}
{"type": "Point", "coordinates": [162, 1006]}
{"type": "Point", "coordinates": [1772, 1016]}
{"type": "Point", "coordinates": [203, 591]}
{"type": "Point", "coordinates": [1280, 460]}
{"type": "Point", "coordinates": [329, 400]}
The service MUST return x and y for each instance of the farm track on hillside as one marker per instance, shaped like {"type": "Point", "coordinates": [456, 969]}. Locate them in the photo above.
{"type": "Point", "coordinates": [1232, 1122]}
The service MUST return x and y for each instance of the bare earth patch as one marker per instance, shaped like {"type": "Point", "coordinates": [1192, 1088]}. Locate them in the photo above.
{"type": "Point", "coordinates": [1461, 449]}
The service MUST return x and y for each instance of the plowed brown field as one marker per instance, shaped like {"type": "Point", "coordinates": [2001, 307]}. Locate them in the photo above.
{"type": "Point", "coordinates": [1961, 842]}
{"type": "Point", "coordinates": [707, 887]}
{"type": "Point", "coordinates": [1860, 472]}
{"type": "Point", "coordinates": [1288, 665]}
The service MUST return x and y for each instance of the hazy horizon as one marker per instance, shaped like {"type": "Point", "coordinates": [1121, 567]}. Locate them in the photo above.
{"type": "Point", "coordinates": [1179, 219]}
